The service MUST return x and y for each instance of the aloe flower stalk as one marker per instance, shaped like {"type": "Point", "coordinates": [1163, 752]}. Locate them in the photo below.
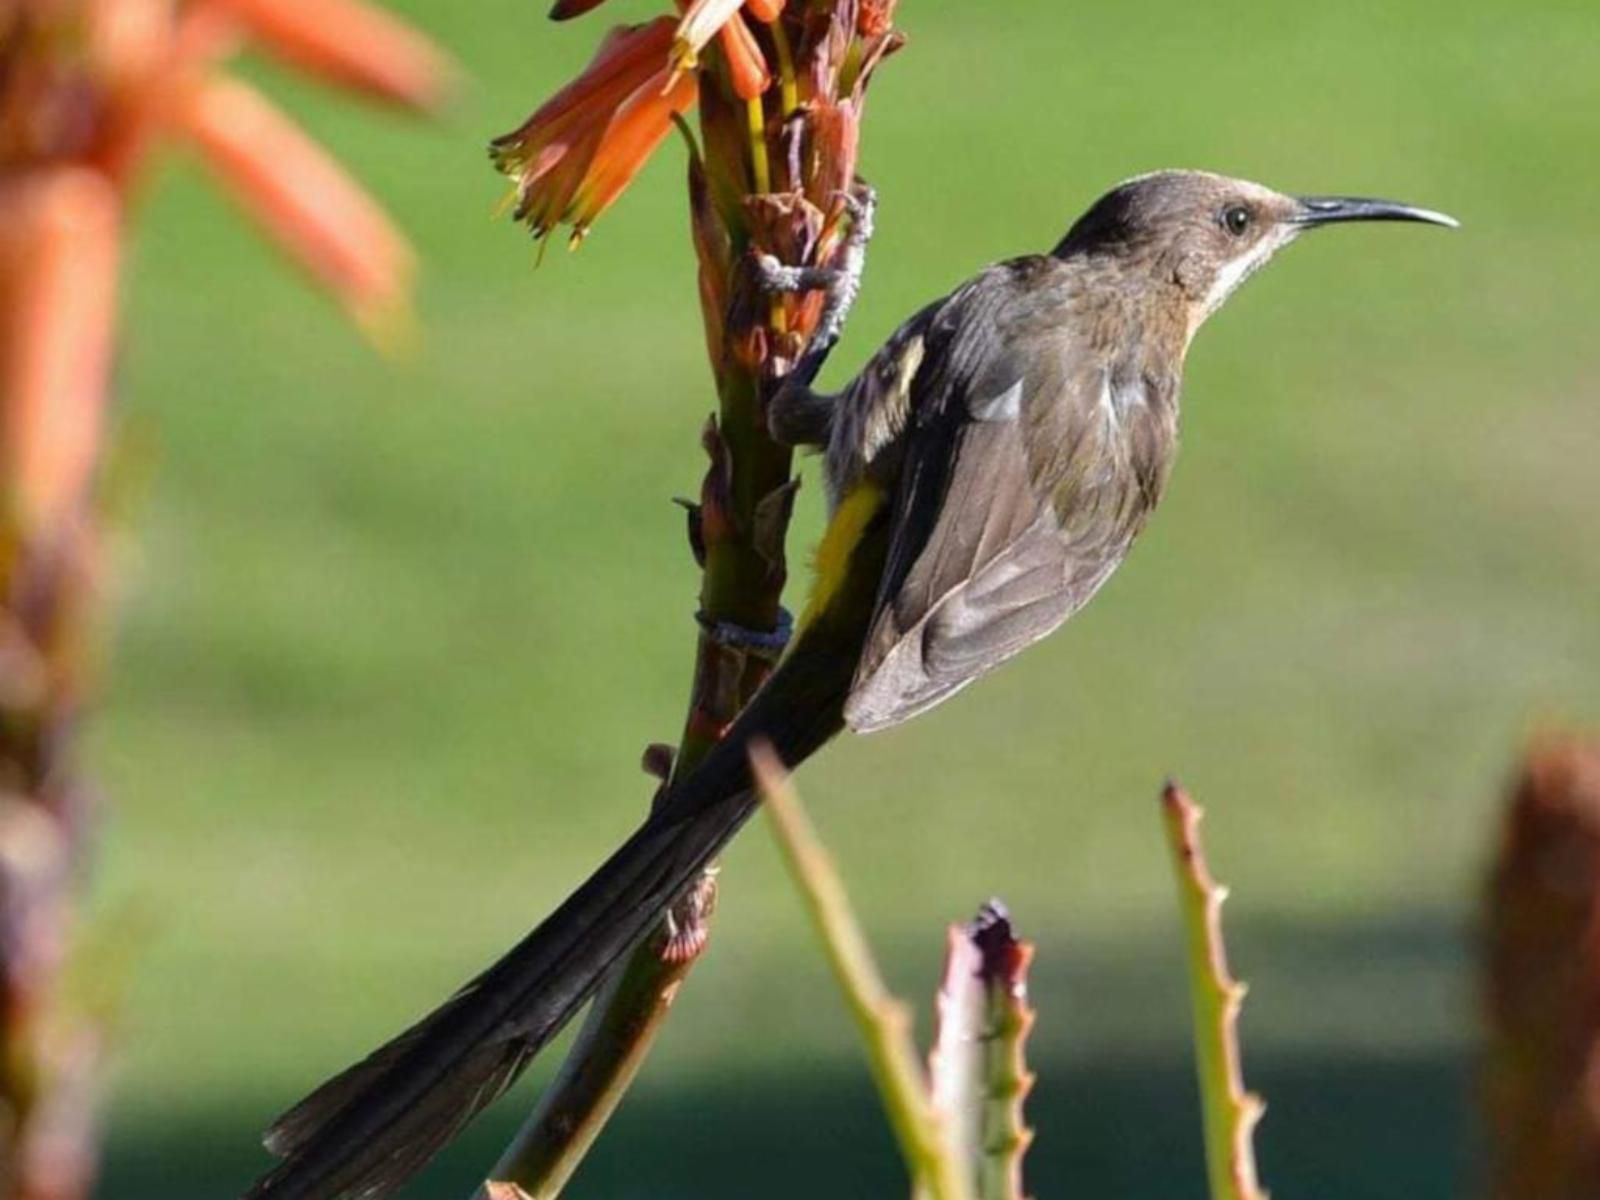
{"type": "Point", "coordinates": [89, 90]}
{"type": "Point", "coordinates": [780, 89]}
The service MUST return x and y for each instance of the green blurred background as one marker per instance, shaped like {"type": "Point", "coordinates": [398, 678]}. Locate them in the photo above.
{"type": "Point", "coordinates": [392, 636]}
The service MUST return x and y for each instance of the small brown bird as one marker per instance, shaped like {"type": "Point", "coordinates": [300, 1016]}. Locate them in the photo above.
{"type": "Point", "coordinates": [987, 470]}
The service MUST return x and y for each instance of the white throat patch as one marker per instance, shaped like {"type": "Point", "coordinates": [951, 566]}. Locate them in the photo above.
{"type": "Point", "coordinates": [1236, 272]}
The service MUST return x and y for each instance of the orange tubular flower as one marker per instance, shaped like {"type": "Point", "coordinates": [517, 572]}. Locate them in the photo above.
{"type": "Point", "coordinates": [59, 234]}
{"type": "Point", "coordinates": [146, 70]}
{"type": "Point", "coordinates": [300, 195]}
{"type": "Point", "coordinates": [704, 19]}
{"type": "Point", "coordinates": [709, 15]}
{"type": "Point", "coordinates": [351, 43]}
{"type": "Point", "coordinates": [577, 153]}
{"type": "Point", "coordinates": [747, 67]}
{"type": "Point", "coordinates": [633, 135]}
{"type": "Point", "coordinates": [764, 10]}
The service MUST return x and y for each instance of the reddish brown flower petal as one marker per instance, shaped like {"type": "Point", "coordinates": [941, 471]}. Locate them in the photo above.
{"type": "Point", "coordinates": [836, 138]}
{"type": "Point", "coordinates": [59, 236]}
{"type": "Point", "coordinates": [564, 10]}
{"type": "Point", "coordinates": [747, 68]}
{"type": "Point", "coordinates": [1540, 969]}
{"type": "Point", "coordinates": [304, 199]}
{"type": "Point", "coordinates": [351, 43]}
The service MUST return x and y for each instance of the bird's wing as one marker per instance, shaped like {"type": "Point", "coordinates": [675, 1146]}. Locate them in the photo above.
{"type": "Point", "coordinates": [984, 558]}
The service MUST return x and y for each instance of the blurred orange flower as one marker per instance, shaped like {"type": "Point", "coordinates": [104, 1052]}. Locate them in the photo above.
{"type": "Point", "coordinates": [88, 88]}
{"type": "Point", "coordinates": [302, 198]}
{"type": "Point", "coordinates": [58, 287]}
{"type": "Point", "coordinates": [350, 43]}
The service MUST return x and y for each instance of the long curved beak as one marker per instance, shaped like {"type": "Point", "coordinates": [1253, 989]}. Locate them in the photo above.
{"type": "Point", "coordinates": [1325, 210]}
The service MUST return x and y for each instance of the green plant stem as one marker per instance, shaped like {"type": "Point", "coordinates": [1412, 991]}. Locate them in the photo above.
{"type": "Point", "coordinates": [742, 584]}
{"type": "Point", "coordinates": [575, 1107]}
{"type": "Point", "coordinates": [746, 192]}
{"type": "Point", "coordinates": [885, 1023]}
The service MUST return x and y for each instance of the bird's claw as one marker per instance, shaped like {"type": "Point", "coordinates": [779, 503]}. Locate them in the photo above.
{"type": "Point", "coordinates": [773, 276]}
{"type": "Point", "coordinates": [861, 202]}
{"type": "Point", "coordinates": [840, 283]}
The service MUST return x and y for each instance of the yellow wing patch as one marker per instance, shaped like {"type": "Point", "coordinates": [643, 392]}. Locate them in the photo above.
{"type": "Point", "coordinates": [832, 559]}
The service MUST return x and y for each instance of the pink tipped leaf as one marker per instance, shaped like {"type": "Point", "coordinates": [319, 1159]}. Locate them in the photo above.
{"type": "Point", "coordinates": [978, 1065]}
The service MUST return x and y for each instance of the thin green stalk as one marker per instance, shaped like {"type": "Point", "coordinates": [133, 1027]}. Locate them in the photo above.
{"type": "Point", "coordinates": [626, 1014]}
{"type": "Point", "coordinates": [747, 194]}
{"type": "Point", "coordinates": [884, 1022]}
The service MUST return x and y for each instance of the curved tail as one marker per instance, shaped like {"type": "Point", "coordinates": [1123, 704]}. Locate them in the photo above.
{"type": "Point", "coordinates": [365, 1131]}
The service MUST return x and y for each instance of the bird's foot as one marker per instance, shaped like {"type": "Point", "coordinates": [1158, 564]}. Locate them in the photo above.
{"type": "Point", "coordinates": [840, 283]}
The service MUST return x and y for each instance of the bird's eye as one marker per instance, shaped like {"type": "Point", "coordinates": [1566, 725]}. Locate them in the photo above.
{"type": "Point", "coordinates": [1236, 219]}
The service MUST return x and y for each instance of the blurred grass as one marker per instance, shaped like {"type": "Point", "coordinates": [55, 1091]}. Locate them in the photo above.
{"type": "Point", "coordinates": [392, 635]}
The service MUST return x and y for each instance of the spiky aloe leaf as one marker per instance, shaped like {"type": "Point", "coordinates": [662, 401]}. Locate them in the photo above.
{"type": "Point", "coordinates": [956, 1060]}
{"type": "Point", "coordinates": [978, 1064]}
{"type": "Point", "coordinates": [1230, 1112]}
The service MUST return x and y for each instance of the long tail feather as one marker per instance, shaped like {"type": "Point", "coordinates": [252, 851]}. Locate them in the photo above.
{"type": "Point", "coordinates": [367, 1130]}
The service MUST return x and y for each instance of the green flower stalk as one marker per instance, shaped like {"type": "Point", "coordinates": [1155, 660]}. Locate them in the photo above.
{"type": "Point", "coordinates": [780, 89]}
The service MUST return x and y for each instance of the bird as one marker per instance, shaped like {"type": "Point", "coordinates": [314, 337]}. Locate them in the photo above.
{"type": "Point", "coordinates": [987, 470]}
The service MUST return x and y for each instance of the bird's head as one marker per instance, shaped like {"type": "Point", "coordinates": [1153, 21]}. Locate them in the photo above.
{"type": "Point", "coordinates": [1196, 237]}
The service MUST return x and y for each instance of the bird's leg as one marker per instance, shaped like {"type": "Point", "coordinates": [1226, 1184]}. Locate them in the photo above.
{"type": "Point", "coordinates": [797, 415]}
{"type": "Point", "coordinates": [840, 283]}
